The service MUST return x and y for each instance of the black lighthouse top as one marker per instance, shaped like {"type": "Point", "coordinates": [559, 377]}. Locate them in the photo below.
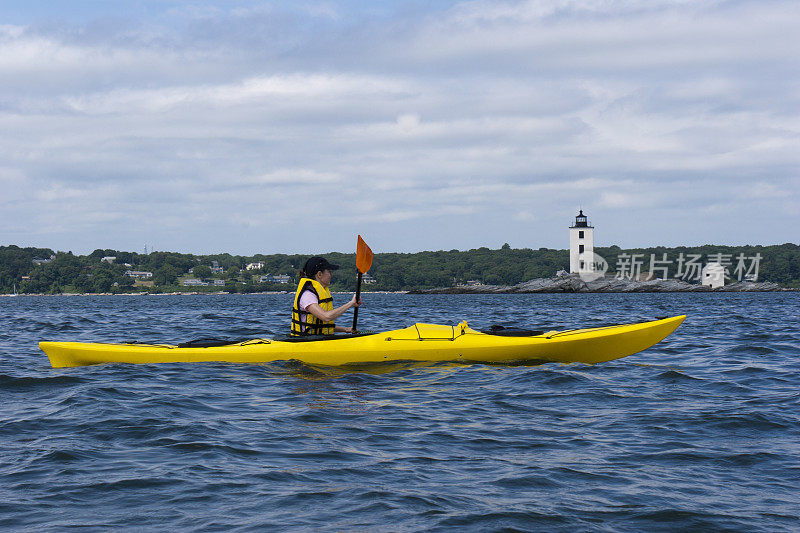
{"type": "Point", "coordinates": [580, 221]}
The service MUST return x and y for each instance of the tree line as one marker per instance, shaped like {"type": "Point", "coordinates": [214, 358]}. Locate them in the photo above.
{"type": "Point", "coordinates": [44, 271]}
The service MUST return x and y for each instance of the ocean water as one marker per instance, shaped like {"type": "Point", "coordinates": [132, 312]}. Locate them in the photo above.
{"type": "Point", "coordinates": [700, 432]}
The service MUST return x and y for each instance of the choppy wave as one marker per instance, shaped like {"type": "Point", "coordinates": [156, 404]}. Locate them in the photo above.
{"type": "Point", "coordinates": [698, 433]}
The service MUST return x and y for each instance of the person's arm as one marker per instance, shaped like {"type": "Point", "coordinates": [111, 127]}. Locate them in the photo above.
{"type": "Point", "coordinates": [333, 314]}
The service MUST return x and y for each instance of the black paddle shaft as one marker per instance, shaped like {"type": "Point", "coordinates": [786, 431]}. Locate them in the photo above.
{"type": "Point", "coordinates": [358, 295]}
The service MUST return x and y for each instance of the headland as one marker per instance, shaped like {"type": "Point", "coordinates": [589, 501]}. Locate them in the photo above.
{"type": "Point", "coordinates": [573, 283]}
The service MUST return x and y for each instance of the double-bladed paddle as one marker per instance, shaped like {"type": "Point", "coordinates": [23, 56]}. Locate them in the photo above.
{"type": "Point", "coordinates": [363, 264]}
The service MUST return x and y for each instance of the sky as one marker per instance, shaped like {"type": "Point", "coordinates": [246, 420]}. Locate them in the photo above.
{"type": "Point", "coordinates": [290, 127]}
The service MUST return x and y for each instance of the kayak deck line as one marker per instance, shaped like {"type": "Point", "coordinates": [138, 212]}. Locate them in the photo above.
{"type": "Point", "coordinates": [552, 334]}
{"type": "Point", "coordinates": [455, 343]}
{"type": "Point", "coordinates": [175, 346]}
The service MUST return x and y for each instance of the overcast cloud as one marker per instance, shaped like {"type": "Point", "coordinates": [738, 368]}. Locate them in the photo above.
{"type": "Point", "coordinates": [253, 127]}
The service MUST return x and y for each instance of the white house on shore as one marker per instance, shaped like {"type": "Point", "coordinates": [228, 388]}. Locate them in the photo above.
{"type": "Point", "coordinates": [713, 275]}
{"type": "Point", "coordinates": [581, 245]}
{"type": "Point", "coordinates": [138, 274]}
{"type": "Point", "coordinates": [277, 278]}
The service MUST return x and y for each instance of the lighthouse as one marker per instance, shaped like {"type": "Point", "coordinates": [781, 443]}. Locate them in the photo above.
{"type": "Point", "coordinates": [581, 245]}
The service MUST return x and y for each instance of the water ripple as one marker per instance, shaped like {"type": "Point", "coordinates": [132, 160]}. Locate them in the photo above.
{"type": "Point", "coordinates": [698, 433]}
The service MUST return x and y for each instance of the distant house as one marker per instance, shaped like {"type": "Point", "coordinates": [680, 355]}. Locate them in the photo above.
{"type": "Point", "coordinates": [26, 278]}
{"type": "Point", "coordinates": [219, 282]}
{"type": "Point", "coordinates": [40, 261]}
{"type": "Point", "coordinates": [713, 275]}
{"type": "Point", "coordinates": [278, 278]}
{"type": "Point", "coordinates": [255, 266]}
{"type": "Point", "coordinates": [470, 283]}
{"type": "Point", "coordinates": [217, 269]}
{"type": "Point", "coordinates": [138, 274]}
{"type": "Point", "coordinates": [368, 280]}
{"type": "Point", "coordinates": [109, 259]}
{"type": "Point", "coordinates": [194, 282]}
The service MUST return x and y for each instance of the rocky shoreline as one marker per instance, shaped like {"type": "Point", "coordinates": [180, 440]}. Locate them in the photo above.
{"type": "Point", "coordinates": [573, 283]}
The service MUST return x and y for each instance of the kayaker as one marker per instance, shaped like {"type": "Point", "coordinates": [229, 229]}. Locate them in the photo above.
{"type": "Point", "coordinates": [312, 311]}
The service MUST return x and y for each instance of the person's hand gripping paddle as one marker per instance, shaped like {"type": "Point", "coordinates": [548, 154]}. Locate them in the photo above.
{"type": "Point", "coordinates": [363, 264]}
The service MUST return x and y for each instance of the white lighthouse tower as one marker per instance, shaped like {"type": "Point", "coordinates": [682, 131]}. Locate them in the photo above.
{"type": "Point", "coordinates": [581, 245]}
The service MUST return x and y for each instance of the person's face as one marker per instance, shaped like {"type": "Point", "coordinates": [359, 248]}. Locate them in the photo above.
{"type": "Point", "coordinates": [324, 277]}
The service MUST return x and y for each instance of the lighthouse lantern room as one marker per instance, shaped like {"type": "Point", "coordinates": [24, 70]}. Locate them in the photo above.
{"type": "Point", "coordinates": [581, 244]}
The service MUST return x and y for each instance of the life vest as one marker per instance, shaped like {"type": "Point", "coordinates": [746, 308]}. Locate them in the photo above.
{"type": "Point", "coordinates": [313, 325]}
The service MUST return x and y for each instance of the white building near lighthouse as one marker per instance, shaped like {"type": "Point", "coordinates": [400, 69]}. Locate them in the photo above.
{"type": "Point", "coordinates": [581, 245]}
{"type": "Point", "coordinates": [713, 275]}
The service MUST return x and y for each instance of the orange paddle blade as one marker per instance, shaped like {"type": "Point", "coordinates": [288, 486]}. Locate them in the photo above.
{"type": "Point", "coordinates": [363, 256]}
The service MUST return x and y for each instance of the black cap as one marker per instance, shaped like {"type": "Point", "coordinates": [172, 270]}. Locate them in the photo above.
{"type": "Point", "coordinates": [317, 264]}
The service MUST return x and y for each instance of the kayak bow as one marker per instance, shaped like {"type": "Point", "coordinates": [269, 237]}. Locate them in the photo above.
{"type": "Point", "coordinates": [420, 342]}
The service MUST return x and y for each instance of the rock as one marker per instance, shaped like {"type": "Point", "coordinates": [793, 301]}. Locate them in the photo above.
{"type": "Point", "coordinates": [573, 283]}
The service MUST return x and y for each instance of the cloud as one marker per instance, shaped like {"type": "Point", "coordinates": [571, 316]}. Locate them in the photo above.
{"type": "Point", "coordinates": [619, 200]}
{"type": "Point", "coordinates": [290, 176]}
{"type": "Point", "coordinates": [273, 91]}
{"type": "Point", "coordinates": [239, 127]}
{"type": "Point", "coordinates": [408, 122]}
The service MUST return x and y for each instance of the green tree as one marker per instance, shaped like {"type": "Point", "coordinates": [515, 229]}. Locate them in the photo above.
{"type": "Point", "coordinates": [202, 271]}
{"type": "Point", "coordinates": [102, 281]}
{"type": "Point", "coordinates": [166, 275]}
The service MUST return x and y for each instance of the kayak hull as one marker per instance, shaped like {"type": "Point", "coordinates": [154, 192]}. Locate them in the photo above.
{"type": "Point", "coordinates": [420, 342]}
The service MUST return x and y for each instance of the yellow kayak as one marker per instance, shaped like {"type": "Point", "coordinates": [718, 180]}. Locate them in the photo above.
{"type": "Point", "coordinates": [420, 342]}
